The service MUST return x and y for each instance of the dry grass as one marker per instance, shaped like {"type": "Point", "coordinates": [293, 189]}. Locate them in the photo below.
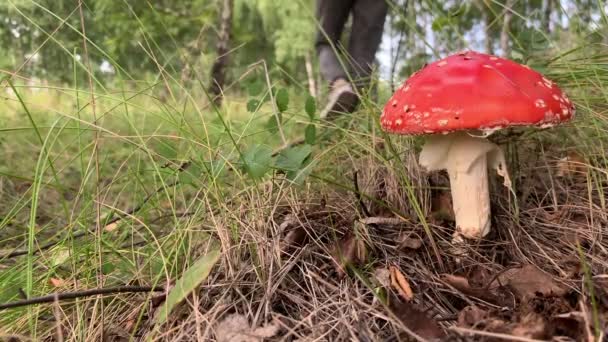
{"type": "Point", "coordinates": [278, 269]}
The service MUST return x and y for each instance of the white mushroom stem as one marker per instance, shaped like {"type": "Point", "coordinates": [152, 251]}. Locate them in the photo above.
{"type": "Point", "coordinates": [466, 159]}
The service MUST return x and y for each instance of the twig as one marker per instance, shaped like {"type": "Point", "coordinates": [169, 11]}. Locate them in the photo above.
{"type": "Point", "coordinates": [80, 294]}
{"type": "Point", "coordinates": [364, 209]}
{"type": "Point", "coordinates": [391, 221]}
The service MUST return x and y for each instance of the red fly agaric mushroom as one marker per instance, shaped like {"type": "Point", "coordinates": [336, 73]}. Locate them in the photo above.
{"type": "Point", "coordinates": [466, 97]}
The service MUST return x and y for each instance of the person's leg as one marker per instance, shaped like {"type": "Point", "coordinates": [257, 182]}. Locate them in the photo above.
{"type": "Point", "coordinates": [332, 15]}
{"type": "Point", "coordinates": [368, 25]}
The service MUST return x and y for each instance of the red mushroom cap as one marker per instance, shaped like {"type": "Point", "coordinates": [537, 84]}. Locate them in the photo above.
{"type": "Point", "coordinates": [471, 91]}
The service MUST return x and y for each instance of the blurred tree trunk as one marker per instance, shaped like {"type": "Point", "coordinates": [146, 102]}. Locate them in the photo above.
{"type": "Point", "coordinates": [547, 16]}
{"type": "Point", "coordinates": [506, 28]}
{"type": "Point", "coordinates": [487, 25]}
{"type": "Point", "coordinates": [218, 70]}
{"type": "Point", "coordinates": [312, 85]}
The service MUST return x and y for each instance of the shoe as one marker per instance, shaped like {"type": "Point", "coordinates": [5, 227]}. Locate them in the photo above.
{"type": "Point", "coordinates": [341, 100]}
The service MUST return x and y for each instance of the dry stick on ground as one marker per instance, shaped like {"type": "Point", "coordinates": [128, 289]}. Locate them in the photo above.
{"type": "Point", "coordinates": [80, 294]}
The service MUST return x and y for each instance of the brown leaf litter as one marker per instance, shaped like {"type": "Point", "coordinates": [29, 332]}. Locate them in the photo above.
{"type": "Point", "coordinates": [236, 328]}
{"type": "Point", "coordinates": [400, 283]}
{"type": "Point", "coordinates": [348, 251]}
{"type": "Point", "coordinates": [525, 280]}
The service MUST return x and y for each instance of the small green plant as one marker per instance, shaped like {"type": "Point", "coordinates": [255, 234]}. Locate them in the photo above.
{"type": "Point", "coordinates": [294, 161]}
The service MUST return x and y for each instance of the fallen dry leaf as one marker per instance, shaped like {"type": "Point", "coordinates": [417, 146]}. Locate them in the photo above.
{"type": "Point", "coordinates": [459, 283]}
{"type": "Point", "coordinates": [350, 250]}
{"type": "Point", "coordinates": [462, 284]}
{"type": "Point", "coordinates": [400, 283]}
{"type": "Point", "coordinates": [111, 227]}
{"type": "Point", "coordinates": [57, 282]}
{"type": "Point", "coordinates": [470, 316]}
{"type": "Point", "coordinates": [417, 320]}
{"type": "Point", "coordinates": [528, 282]}
{"type": "Point", "coordinates": [236, 328]}
{"type": "Point", "coordinates": [383, 276]}
{"type": "Point", "coordinates": [410, 242]}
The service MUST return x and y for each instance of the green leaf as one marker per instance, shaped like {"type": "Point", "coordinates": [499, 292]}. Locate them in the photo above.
{"type": "Point", "coordinates": [300, 175]}
{"type": "Point", "coordinates": [310, 134]}
{"type": "Point", "coordinates": [282, 99]}
{"type": "Point", "coordinates": [253, 105]}
{"type": "Point", "coordinates": [271, 125]}
{"type": "Point", "coordinates": [257, 160]}
{"type": "Point", "coordinates": [310, 107]}
{"type": "Point", "coordinates": [440, 23]}
{"type": "Point", "coordinates": [192, 277]}
{"type": "Point", "coordinates": [291, 159]}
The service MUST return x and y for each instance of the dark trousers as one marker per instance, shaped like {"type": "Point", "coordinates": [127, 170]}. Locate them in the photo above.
{"type": "Point", "coordinates": [366, 34]}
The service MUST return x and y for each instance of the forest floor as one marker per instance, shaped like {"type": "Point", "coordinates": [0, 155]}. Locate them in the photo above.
{"type": "Point", "coordinates": [330, 265]}
{"type": "Point", "coordinates": [157, 206]}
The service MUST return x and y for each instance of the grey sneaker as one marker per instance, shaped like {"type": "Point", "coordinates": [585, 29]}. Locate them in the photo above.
{"type": "Point", "coordinates": [341, 100]}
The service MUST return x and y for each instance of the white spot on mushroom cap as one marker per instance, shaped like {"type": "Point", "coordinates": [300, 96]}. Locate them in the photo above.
{"type": "Point", "coordinates": [442, 63]}
{"type": "Point", "coordinates": [555, 97]}
{"type": "Point", "coordinates": [394, 104]}
{"type": "Point", "coordinates": [442, 122]}
{"type": "Point", "coordinates": [406, 108]}
{"type": "Point", "coordinates": [493, 58]}
{"type": "Point", "coordinates": [426, 114]}
{"type": "Point", "coordinates": [540, 103]}
{"type": "Point", "coordinates": [398, 122]}
{"type": "Point", "coordinates": [406, 88]}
